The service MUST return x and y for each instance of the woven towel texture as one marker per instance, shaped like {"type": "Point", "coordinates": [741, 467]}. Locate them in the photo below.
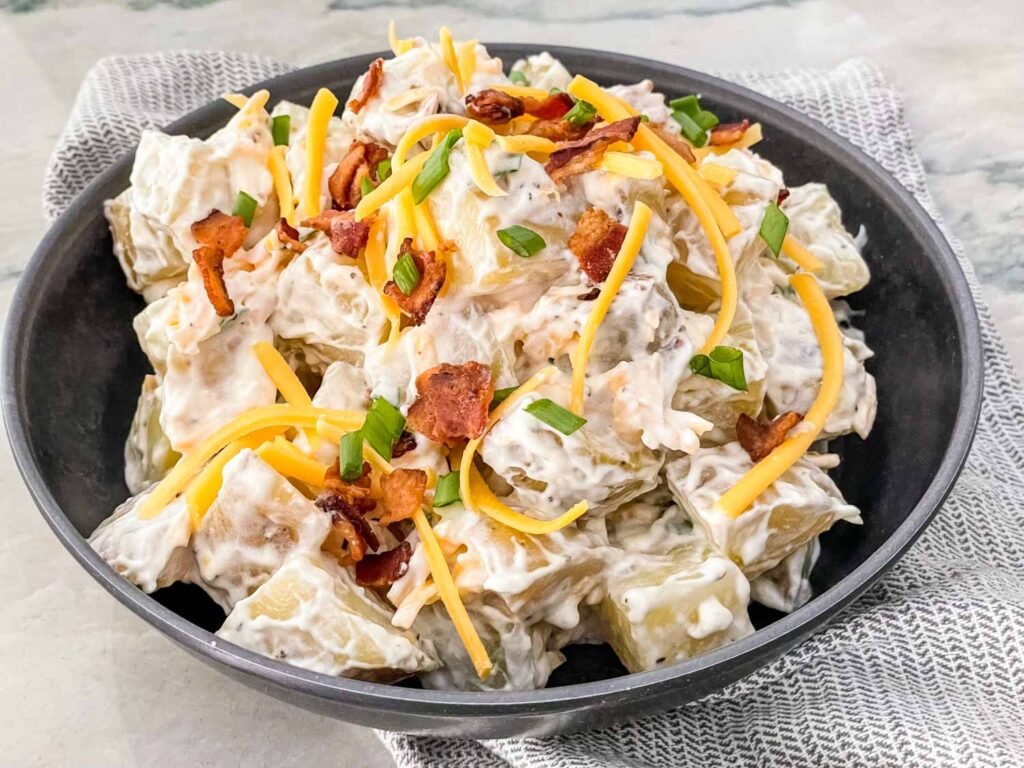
{"type": "Point", "coordinates": [926, 670]}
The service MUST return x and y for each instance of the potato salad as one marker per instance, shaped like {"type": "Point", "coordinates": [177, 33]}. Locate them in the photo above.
{"type": "Point", "coordinates": [482, 362]}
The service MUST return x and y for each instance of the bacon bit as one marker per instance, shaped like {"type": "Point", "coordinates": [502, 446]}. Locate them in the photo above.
{"type": "Point", "coordinates": [559, 130]}
{"type": "Point", "coordinates": [554, 107]}
{"type": "Point", "coordinates": [384, 569]}
{"type": "Point", "coordinates": [674, 140]}
{"type": "Point", "coordinates": [493, 107]}
{"type": "Point", "coordinates": [371, 84]}
{"type": "Point", "coordinates": [761, 438]}
{"type": "Point", "coordinates": [573, 157]}
{"type": "Point", "coordinates": [783, 196]}
{"type": "Point", "coordinates": [219, 236]}
{"type": "Point", "coordinates": [289, 236]}
{"type": "Point", "coordinates": [596, 243]}
{"type": "Point", "coordinates": [357, 493]}
{"type": "Point", "coordinates": [432, 274]}
{"type": "Point", "coordinates": [406, 442]}
{"type": "Point", "coordinates": [403, 494]}
{"type": "Point", "coordinates": [348, 236]}
{"type": "Point", "coordinates": [351, 535]}
{"type": "Point", "coordinates": [728, 133]}
{"type": "Point", "coordinates": [453, 402]}
{"type": "Point", "coordinates": [590, 295]}
{"type": "Point", "coordinates": [359, 163]}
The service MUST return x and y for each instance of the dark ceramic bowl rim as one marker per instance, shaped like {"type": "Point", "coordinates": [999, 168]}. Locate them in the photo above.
{"type": "Point", "coordinates": [456, 703]}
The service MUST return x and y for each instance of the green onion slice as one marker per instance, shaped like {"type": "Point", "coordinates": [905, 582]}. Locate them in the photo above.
{"type": "Point", "coordinates": [690, 129]}
{"type": "Point", "coordinates": [518, 77]}
{"type": "Point", "coordinates": [245, 206]}
{"type": "Point", "coordinates": [515, 162]}
{"type": "Point", "coordinates": [500, 396]}
{"type": "Point", "coordinates": [407, 274]}
{"type": "Point", "coordinates": [280, 127]}
{"type": "Point", "coordinates": [580, 114]}
{"type": "Point", "coordinates": [383, 426]}
{"type": "Point", "coordinates": [774, 226]}
{"type": "Point", "coordinates": [523, 241]}
{"type": "Point", "coordinates": [383, 170]}
{"type": "Point", "coordinates": [724, 364]}
{"type": "Point", "coordinates": [350, 456]}
{"type": "Point", "coordinates": [447, 490]}
{"type": "Point", "coordinates": [556, 416]}
{"type": "Point", "coordinates": [644, 119]}
{"type": "Point", "coordinates": [690, 106]}
{"type": "Point", "coordinates": [435, 169]}
{"type": "Point", "coordinates": [365, 186]}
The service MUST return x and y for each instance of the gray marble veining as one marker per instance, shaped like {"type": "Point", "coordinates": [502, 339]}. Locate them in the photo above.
{"type": "Point", "coordinates": [126, 695]}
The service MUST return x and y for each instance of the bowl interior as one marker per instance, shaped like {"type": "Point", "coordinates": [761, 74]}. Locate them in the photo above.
{"type": "Point", "coordinates": [76, 365]}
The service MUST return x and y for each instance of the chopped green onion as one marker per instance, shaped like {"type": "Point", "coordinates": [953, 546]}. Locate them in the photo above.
{"type": "Point", "coordinates": [774, 226]}
{"type": "Point", "coordinates": [581, 114]}
{"type": "Point", "coordinates": [435, 169]}
{"type": "Point", "coordinates": [500, 396]}
{"type": "Point", "coordinates": [518, 77]}
{"type": "Point", "coordinates": [447, 490]}
{"type": "Point", "coordinates": [515, 163]}
{"type": "Point", "coordinates": [690, 106]}
{"type": "Point", "coordinates": [555, 91]}
{"type": "Point", "coordinates": [365, 186]}
{"type": "Point", "coordinates": [245, 206]}
{"type": "Point", "coordinates": [383, 170]}
{"type": "Point", "coordinates": [556, 416]}
{"type": "Point", "coordinates": [227, 322]}
{"type": "Point", "coordinates": [644, 119]}
{"type": "Point", "coordinates": [383, 426]}
{"type": "Point", "coordinates": [280, 127]}
{"type": "Point", "coordinates": [523, 241]}
{"type": "Point", "coordinates": [350, 456]}
{"type": "Point", "coordinates": [407, 274]}
{"type": "Point", "coordinates": [724, 364]}
{"type": "Point", "coordinates": [688, 127]}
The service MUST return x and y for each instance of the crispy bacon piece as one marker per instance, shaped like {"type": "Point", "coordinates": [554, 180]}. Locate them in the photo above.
{"type": "Point", "coordinates": [348, 236]}
{"type": "Point", "coordinates": [596, 243]}
{"type": "Point", "coordinates": [433, 271]}
{"type": "Point", "coordinates": [554, 107]}
{"type": "Point", "coordinates": [384, 569]}
{"type": "Point", "coordinates": [493, 107]}
{"type": "Point", "coordinates": [559, 130]}
{"type": "Point", "coordinates": [406, 442]}
{"type": "Point", "coordinates": [783, 196]}
{"type": "Point", "coordinates": [403, 494]}
{"type": "Point", "coordinates": [289, 236]}
{"type": "Point", "coordinates": [219, 236]}
{"type": "Point", "coordinates": [575, 157]}
{"type": "Point", "coordinates": [351, 535]}
{"type": "Point", "coordinates": [359, 163]}
{"type": "Point", "coordinates": [728, 133]}
{"type": "Point", "coordinates": [356, 493]}
{"type": "Point", "coordinates": [674, 140]}
{"type": "Point", "coordinates": [761, 438]}
{"type": "Point", "coordinates": [453, 402]}
{"type": "Point", "coordinates": [371, 84]}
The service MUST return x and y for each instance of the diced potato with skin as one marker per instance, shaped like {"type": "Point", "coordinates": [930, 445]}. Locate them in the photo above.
{"type": "Point", "coordinates": [787, 586]}
{"type": "Point", "coordinates": [312, 614]}
{"type": "Point", "coordinates": [796, 508]}
{"type": "Point", "coordinates": [793, 356]}
{"type": "Point", "coordinates": [326, 307]}
{"type": "Point", "coordinates": [544, 71]}
{"type": "Point", "coordinates": [518, 588]}
{"type": "Point", "coordinates": [661, 609]}
{"type": "Point", "coordinates": [155, 264]}
{"type": "Point", "coordinates": [816, 222]}
{"type": "Point", "coordinates": [257, 521]}
{"type": "Point", "coordinates": [645, 100]}
{"type": "Point", "coordinates": [151, 553]}
{"type": "Point", "coordinates": [148, 455]}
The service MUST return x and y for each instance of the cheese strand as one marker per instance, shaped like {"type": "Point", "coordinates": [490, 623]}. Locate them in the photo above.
{"type": "Point", "coordinates": [320, 113]}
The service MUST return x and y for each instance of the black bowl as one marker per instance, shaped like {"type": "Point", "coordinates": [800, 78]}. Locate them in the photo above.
{"type": "Point", "coordinates": [72, 369]}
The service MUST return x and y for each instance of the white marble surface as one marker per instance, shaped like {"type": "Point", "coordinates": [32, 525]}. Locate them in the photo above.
{"type": "Point", "coordinates": [85, 683]}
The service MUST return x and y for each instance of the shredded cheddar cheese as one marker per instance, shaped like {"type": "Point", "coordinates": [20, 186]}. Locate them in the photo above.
{"type": "Point", "coordinates": [526, 143]}
{"type": "Point", "coordinates": [400, 179]}
{"type": "Point", "coordinates": [320, 113]}
{"type": "Point", "coordinates": [467, 62]}
{"type": "Point", "coordinates": [750, 137]}
{"type": "Point", "coordinates": [282, 183]}
{"type": "Point", "coordinates": [237, 100]}
{"type": "Point", "coordinates": [398, 46]}
{"type": "Point", "coordinates": [450, 58]}
{"type": "Point", "coordinates": [806, 260]}
{"type": "Point", "coordinates": [690, 186]}
{"type": "Point", "coordinates": [478, 137]}
{"type": "Point", "coordinates": [735, 501]}
{"type": "Point", "coordinates": [279, 372]}
{"type": "Point", "coordinates": [286, 458]}
{"type": "Point", "coordinates": [626, 164]}
{"type": "Point", "coordinates": [253, 420]}
{"type": "Point", "coordinates": [424, 127]}
{"type": "Point", "coordinates": [717, 174]}
{"type": "Point", "coordinates": [376, 271]}
{"type": "Point", "coordinates": [522, 91]}
{"type": "Point", "coordinates": [635, 234]}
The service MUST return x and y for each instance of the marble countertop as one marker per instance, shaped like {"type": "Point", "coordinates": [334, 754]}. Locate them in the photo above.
{"type": "Point", "coordinates": [102, 688]}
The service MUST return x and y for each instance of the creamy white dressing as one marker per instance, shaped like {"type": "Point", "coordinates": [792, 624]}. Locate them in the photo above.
{"type": "Point", "coordinates": [543, 71]}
